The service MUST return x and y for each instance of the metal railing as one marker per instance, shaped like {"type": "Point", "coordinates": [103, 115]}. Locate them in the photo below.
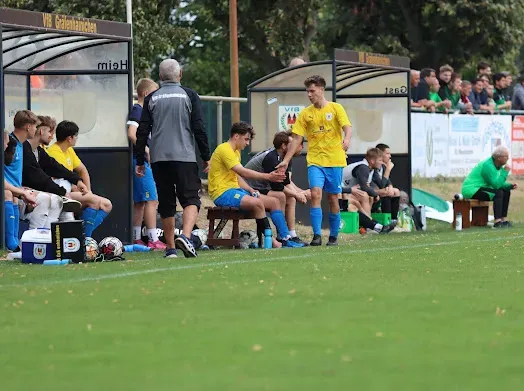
{"type": "Point", "coordinates": [502, 112]}
{"type": "Point", "coordinates": [219, 100]}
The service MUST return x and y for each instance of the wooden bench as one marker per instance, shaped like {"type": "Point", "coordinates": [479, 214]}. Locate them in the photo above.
{"type": "Point", "coordinates": [479, 212]}
{"type": "Point", "coordinates": [224, 215]}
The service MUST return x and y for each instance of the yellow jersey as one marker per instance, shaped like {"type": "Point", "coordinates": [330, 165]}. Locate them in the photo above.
{"type": "Point", "coordinates": [68, 159]}
{"type": "Point", "coordinates": [221, 177]}
{"type": "Point", "coordinates": [323, 130]}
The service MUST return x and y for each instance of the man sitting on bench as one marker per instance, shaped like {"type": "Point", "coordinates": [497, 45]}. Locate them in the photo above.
{"type": "Point", "coordinates": [487, 182]}
{"type": "Point", "coordinates": [286, 192]}
{"type": "Point", "coordinates": [389, 195]}
{"type": "Point", "coordinates": [227, 187]}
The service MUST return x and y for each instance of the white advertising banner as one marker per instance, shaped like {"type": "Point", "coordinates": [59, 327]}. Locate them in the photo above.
{"type": "Point", "coordinates": [453, 145]}
{"type": "Point", "coordinates": [429, 145]}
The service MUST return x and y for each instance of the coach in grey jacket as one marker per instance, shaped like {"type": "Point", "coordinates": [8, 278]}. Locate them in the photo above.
{"type": "Point", "coordinates": [173, 116]}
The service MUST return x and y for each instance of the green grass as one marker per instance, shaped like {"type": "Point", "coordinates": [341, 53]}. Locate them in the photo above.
{"type": "Point", "coordinates": [397, 312]}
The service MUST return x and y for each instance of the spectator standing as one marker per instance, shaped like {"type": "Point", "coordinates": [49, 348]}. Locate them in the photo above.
{"type": "Point", "coordinates": [173, 116]}
{"type": "Point", "coordinates": [479, 96]}
{"type": "Point", "coordinates": [500, 82]}
{"type": "Point", "coordinates": [444, 77]}
{"type": "Point", "coordinates": [464, 96]}
{"type": "Point", "coordinates": [517, 101]}
{"type": "Point", "coordinates": [440, 105]}
{"type": "Point", "coordinates": [483, 68]}
{"type": "Point", "coordinates": [427, 77]}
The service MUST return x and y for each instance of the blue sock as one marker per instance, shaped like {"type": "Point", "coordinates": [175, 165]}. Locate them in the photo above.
{"type": "Point", "coordinates": [11, 239]}
{"type": "Point", "coordinates": [316, 220]}
{"type": "Point", "coordinates": [100, 217]}
{"type": "Point", "coordinates": [334, 224]}
{"type": "Point", "coordinates": [280, 222]}
{"type": "Point", "coordinates": [16, 228]}
{"type": "Point", "coordinates": [89, 217]}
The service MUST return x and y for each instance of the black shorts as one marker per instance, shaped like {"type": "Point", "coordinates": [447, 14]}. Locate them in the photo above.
{"type": "Point", "coordinates": [176, 179]}
{"type": "Point", "coordinates": [263, 191]}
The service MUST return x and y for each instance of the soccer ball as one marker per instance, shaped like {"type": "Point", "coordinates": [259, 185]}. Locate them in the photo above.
{"type": "Point", "coordinates": [145, 236]}
{"type": "Point", "coordinates": [110, 248]}
{"type": "Point", "coordinates": [91, 247]}
{"type": "Point", "coordinates": [201, 234]}
{"type": "Point", "coordinates": [248, 239]}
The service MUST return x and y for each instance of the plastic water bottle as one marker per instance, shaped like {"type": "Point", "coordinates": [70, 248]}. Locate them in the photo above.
{"type": "Point", "coordinates": [57, 262]}
{"type": "Point", "coordinates": [458, 222]}
{"type": "Point", "coordinates": [268, 238]}
{"type": "Point", "coordinates": [129, 248]}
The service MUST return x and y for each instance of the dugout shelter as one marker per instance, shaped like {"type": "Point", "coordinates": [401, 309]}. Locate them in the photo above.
{"type": "Point", "coordinates": [77, 69]}
{"type": "Point", "coordinates": [373, 88]}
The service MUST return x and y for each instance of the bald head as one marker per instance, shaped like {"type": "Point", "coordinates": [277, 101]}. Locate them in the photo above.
{"type": "Point", "coordinates": [296, 62]}
{"type": "Point", "coordinates": [170, 70]}
{"type": "Point", "coordinates": [500, 152]}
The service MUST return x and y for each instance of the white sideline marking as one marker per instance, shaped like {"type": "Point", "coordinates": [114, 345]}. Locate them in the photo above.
{"type": "Point", "coordinates": [252, 260]}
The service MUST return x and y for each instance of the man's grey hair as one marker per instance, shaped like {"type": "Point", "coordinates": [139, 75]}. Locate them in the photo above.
{"type": "Point", "coordinates": [500, 151]}
{"type": "Point", "coordinates": [169, 70]}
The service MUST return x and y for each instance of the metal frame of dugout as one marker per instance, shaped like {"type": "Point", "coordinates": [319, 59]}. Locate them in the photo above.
{"type": "Point", "coordinates": [77, 69]}
{"type": "Point", "coordinates": [373, 88]}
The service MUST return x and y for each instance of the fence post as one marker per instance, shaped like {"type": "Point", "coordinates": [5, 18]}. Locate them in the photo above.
{"type": "Point", "coordinates": [219, 122]}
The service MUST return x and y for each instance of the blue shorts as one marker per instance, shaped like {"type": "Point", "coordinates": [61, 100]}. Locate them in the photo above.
{"type": "Point", "coordinates": [327, 178]}
{"type": "Point", "coordinates": [144, 188]}
{"type": "Point", "coordinates": [231, 198]}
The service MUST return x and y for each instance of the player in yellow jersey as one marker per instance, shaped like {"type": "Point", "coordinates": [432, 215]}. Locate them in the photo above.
{"type": "Point", "coordinates": [228, 188]}
{"type": "Point", "coordinates": [327, 128]}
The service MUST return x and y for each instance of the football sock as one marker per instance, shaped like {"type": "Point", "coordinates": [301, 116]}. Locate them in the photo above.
{"type": "Point", "coordinates": [100, 217]}
{"type": "Point", "coordinates": [11, 238]}
{"type": "Point", "coordinates": [293, 233]}
{"type": "Point", "coordinates": [152, 235]}
{"type": "Point", "coordinates": [334, 224]}
{"type": "Point", "coordinates": [280, 222]}
{"type": "Point", "coordinates": [344, 205]}
{"type": "Point", "coordinates": [89, 216]}
{"type": "Point", "coordinates": [316, 220]}
{"type": "Point", "coordinates": [138, 232]}
{"type": "Point", "coordinates": [16, 227]}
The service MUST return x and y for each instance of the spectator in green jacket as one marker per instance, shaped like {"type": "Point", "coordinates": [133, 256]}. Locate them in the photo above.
{"type": "Point", "coordinates": [454, 90]}
{"type": "Point", "coordinates": [487, 182]}
{"type": "Point", "coordinates": [441, 106]}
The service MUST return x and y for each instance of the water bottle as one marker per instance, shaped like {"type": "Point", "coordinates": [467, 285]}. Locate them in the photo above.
{"type": "Point", "coordinates": [458, 222]}
{"type": "Point", "coordinates": [57, 262]}
{"type": "Point", "coordinates": [268, 239]}
{"type": "Point", "coordinates": [458, 197]}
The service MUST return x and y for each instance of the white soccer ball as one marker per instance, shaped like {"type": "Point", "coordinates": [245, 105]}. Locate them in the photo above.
{"type": "Point", "coordinates": [110, 248]}
{"type": "Point", "coordinates": [248, 239]}
{"type": "Point", "coordinates": [201, 234]}
{"type": "Point", "coordinates": [91, 249]}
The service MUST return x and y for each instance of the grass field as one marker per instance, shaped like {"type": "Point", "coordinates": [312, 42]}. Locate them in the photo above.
{"type": "Point", "coordinates": [440, 311]}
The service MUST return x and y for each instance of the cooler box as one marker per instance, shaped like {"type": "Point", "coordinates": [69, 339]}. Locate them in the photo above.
{"type": "Point", "coordinates": [382, 218]}
{"type": "Point", "coordinates": [349, 222]}
{"type": "Point", "coordinates": [68, 240]}
{"type": "Point", "coordinates": [37, 246]}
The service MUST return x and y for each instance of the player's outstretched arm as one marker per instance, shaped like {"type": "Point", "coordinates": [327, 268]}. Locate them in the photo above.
{"type": "Point", "coordinates": [247, 173]}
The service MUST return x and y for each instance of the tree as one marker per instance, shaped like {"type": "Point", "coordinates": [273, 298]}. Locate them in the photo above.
{"type": "Point", "coordinates": [432, 32]}
{"type": "Point", "coordinates": [154, 34]}
{"type": "Point", "coordinates": [270, 33]}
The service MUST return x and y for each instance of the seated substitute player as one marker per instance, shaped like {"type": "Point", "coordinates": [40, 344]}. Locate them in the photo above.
{"type": "Point", "coordinates": [227, 187]}
{"type": "Point", "coordinates": [389, 195]}
{"type": "Point", "coordinates": [40, 208]}
{"type": "Point", "coordinates": [145, 196]}
{"type": "Point", "coordinates": [362, 173]}
{"type": "Point", "coordinates": [39, 169]}
{"type": "Point", "coordinates": [286, 192]}
{"type": "Point", "coordinates": [62, 151]}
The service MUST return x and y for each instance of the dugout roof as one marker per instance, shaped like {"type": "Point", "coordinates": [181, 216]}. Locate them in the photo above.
{"type": "Point", "coordinates": [373, 88]}
{"type": "Point", "coordinates": [77, 69]}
